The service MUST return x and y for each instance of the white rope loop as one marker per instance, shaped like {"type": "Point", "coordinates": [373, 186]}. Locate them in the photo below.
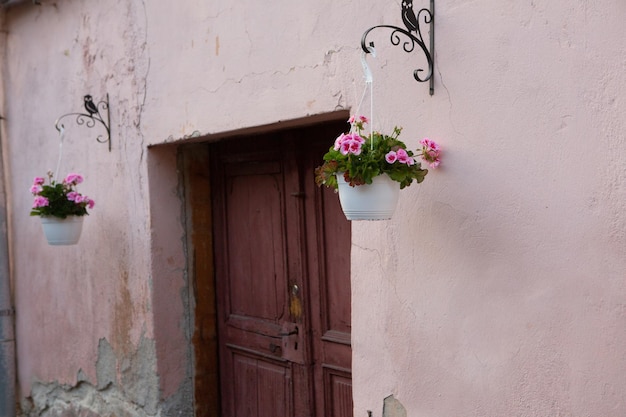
{"type": "Point", "coordinates": [61, 134]}
{"type": "Point", "coordinates": [369, 84]}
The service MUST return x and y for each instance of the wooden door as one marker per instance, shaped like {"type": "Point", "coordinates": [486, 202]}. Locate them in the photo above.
{"type": "Point", "coordinates": [282, 249]}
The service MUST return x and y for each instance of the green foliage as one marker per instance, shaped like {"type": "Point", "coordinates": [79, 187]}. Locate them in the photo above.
{"type": "Point", "coordinates": [59, 199]}
{"type": "Point", "coordinates": [369, 161]}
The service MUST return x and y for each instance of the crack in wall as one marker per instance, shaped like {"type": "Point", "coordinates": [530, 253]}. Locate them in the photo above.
{"type": "Point", "coordinates": [449, 99]}
{"type": "Point", "coordinates": [250, 75]}
{"type": "Point", "coordinates": [142, 104]}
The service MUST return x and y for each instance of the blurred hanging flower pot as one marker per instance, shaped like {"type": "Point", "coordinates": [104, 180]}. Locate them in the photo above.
{"type": "Point", "coordinates": [369, 171]}
{"type": "Point", "coordinates": [61, 208]}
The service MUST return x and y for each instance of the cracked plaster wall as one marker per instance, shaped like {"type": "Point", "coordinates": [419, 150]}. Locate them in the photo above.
{"type": "Point", "coordinates": [497, 289]}
{"type": "Point", "coordinates": [86, 343]}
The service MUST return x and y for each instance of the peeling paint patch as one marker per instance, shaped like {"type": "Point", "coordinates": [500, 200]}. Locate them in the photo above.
{"type": "Point", "coordinates": [81, 400]}
{"type": "Point", "coordinates": [126, 386]}
{"type": "Point", "coordinates": [393, 408]}
{"type": "Point", "coordinates": [106, 365]}
{"type": "Point", "coordinates": [139, 377]}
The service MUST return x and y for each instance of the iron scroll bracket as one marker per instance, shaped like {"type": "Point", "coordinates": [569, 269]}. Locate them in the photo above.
{"type": "Point", "coordinates": [411, 36]}
{"type": "Point", "coordinates": [93, 114]}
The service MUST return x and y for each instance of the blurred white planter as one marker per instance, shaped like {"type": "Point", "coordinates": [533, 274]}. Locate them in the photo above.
{"type": "Point", "coordinates": [62, 231]}
{"type": "Point", "coordinates": [375, 201]}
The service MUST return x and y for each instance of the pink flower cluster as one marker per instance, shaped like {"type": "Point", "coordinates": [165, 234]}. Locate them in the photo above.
{"type": "Point", "coordinates": [37, 185]}
{"type": "Point", "coordinates": [73, 179]}
{"type": "Point", "coordinates": [69, 181]}
{"type": "Point", "coordinates": [349, 143]}
{"type": "Point", "coordinates": [431, 152]}
{"type": "Point", "coordinates": [400, 156]}
{"type": "Point", "coordinates": [79, 198]}
{"type": "Point", "coordinates": [40, 202]}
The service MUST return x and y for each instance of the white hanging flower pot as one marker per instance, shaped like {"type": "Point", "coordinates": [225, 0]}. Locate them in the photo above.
{"type": "Point", "coordinates": [62, 231]}
{"type": "Point", "coordinates": [60, 207]}
{"type": "Point", "coordinates": [375, 201]}
{"type": "Point", "coordinates": [375, 159]}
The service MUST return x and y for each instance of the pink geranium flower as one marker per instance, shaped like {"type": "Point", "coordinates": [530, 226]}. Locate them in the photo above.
{"type": "Point", "coordinates": [345, 147]}
{"type": "Point", "coordinates": [40, 202]}
{"type": "Point", "coordinates": [357, 119]}
{"type": "Point", "coordinates": [355, 147]}
{"type": "Point", "coordinates": [431, 152]}
{"type": "Point", "coordinates": [349, 144]}
{"type": "Point", "coordinates": [38, 181]}
{"type": "Point", "coordinates": [338, 142]}
{"type": "Point", "coordinates": [430, 144]}
{"type": "Point", "coordinates": [403, 156]}
{"type": "Point", "coordinates": [391, 157]}
{"type": "Point", "coordinates": [74, 179]}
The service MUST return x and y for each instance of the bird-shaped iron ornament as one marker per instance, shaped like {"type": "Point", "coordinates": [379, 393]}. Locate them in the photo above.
{"type": "Point", "coordinates": [90, 106]}
{"type": "Point", "coordinates": [91, 116]}
{"type": "Point", "coordinates": [408, 16]}
{"type": "Point", "coordinates": [411, 36]}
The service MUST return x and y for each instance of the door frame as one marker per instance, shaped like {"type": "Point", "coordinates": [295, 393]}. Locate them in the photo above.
{"type": "Point", "coordinates": [193, 159]}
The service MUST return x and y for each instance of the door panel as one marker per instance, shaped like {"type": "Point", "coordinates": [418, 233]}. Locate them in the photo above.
{"type": "Point", "coordinates": [256, 267]}
{"type": "Point", "coordinates": [335, 258]}
{"type": "Point", "coordinates": [282, 252]}
{"type": "Point", "coordinates": [257, 261]}
{"type": "Point", "coordinates": [262, 387]}
{"type": "Point", "coordinates": [329, 240]}
{"type": "Point", "coordinates": [338, 392]}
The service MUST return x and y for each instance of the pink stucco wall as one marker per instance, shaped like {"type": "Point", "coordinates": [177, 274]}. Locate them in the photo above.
{"type": "Point", "coordinates": [497, 289]}
{"type": "Point", "coordinates": [69, 299]}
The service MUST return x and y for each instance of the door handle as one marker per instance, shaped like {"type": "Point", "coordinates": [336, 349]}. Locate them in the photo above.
{"type": "Point", "coordinates": [294, 331]}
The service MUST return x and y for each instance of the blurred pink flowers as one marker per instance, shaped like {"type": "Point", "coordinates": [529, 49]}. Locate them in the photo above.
{"type": "Point", "coordinates": [431, 152]}
{"type": "Point", "coordinates": [40, 202]}
{"type": "Point", "coordinates": [73, 179]}
{"type": "Point", "coordinates": [59, 199]}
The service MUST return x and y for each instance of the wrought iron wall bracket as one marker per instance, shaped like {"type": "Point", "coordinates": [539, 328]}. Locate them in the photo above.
{"type": "Point", "coordinates": [93, 114]}
{"type": "Point", "coordinates": [412, 36]}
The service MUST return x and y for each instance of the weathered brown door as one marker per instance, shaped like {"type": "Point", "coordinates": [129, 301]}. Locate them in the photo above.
{"type": "Point", "coordinates": [282, 251]}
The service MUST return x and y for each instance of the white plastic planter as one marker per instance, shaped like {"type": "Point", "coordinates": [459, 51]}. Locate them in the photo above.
{"type": "Point", "coordinates": [375, 201]}
{"type": "Point", "coordinates": [62, 231]}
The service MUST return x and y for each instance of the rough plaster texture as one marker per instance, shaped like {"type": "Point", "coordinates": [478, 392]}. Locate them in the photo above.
{"type": "Point", "coordinates": [74, 297]}
{"type": "Point", "coordinates": [133, 393]}
{"type": "Point", "coordinates": [497, 289]}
